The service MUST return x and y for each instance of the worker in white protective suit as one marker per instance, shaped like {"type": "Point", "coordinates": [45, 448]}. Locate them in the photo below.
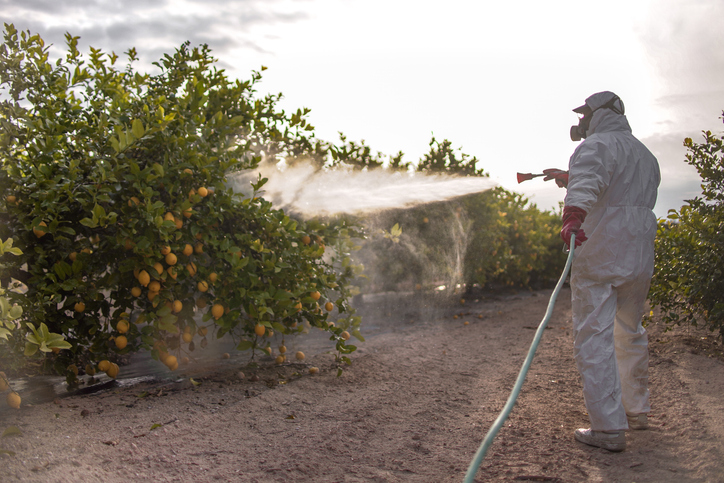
{"type": "Point", "coordinates": [612, 184]}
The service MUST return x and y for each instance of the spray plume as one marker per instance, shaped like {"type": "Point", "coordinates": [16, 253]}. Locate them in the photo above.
{"type": "Point", "coordinates": [310, 191]}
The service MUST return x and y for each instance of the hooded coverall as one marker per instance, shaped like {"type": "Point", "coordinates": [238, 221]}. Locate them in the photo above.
{"type": "Point", "coordinates": [614, 178]}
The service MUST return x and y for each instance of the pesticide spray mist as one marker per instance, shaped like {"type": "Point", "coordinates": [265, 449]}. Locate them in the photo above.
{"type": "Point", "coordinates": [308, 191]}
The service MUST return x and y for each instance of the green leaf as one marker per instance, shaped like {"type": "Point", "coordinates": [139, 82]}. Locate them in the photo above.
{"type": "Point", "coordinates": [30, 349]}
{"type": "Point", "coordinates": [138, 129]}
{"type": "Point", "coordinates": [156, 426]}
{"type": "Point", "coordinates": [11, 431]}
{"type": "Point", "coordinates": [89, 223]}
{"type": "Point", "coordinates": [244, 345]}
{"type": "Point", "coordinates": [168, 323]}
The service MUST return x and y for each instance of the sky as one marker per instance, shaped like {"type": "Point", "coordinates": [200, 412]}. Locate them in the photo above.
{"type": "Point", "coordinates": [497, 79]}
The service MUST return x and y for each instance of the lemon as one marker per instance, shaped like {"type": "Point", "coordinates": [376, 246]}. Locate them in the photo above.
{"type": "Point", "coordinates": [170, 361]}
{"type": "Point", "coordinates": [121, 342]}
{"type": "Point", "coordinates": [329, 306]}
{"type": "Point", "coordinates": [172, 272]}
{"type": "Point", "coordinates": [136, 291]}
{"type": "Point", "coordinates": [259, 330]}
{"type": "Point", "coordinates": [315, 295]}
{"type": "Point", "coordinates": [144, 278]}
{"type": "Point", "coordinates": [299, 355]}
{"type": "Point", "coordinates": [39, 233]}
{"type": "Point", "coordinates": [217, 311]}
{"type": "Point", "coordinates": [122, 326]}
{"type": "Point", "coordinates": [202, 192]}
{"type": "Point", "coordinates": [79, 307]}
{"type": "Point", "coordinates": [13, 400]}
{"type": "Point", "coordinates": [104, 365]}
{"type": "Point", "coordinates": [202, 286]}
{"type": "Point", "coordinates": [188, 250]}
{"type": "Point", "coordinates": [191, 267]}
{"type": "Point", "coordinates": [112, 370]}
{"type": "Point", "coordinates": [3, 381]}
{"type": "Point", "coordinates": [177, 306]}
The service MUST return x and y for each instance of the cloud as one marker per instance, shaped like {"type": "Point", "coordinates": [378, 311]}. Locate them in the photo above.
{"type": "Point", "coordinates": [155, 27]}
{"type": "Point", "coordinates": [683, 41]}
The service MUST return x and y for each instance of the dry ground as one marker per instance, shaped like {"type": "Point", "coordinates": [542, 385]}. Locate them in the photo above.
{"type": "Point", "coordinates": [414, 407]}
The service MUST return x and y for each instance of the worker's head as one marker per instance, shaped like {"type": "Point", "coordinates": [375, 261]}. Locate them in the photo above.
{"type": "Point", "coordinates": [600, 100]}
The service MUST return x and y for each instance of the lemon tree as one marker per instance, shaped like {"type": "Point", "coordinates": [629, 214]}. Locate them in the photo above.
{"type": "Point", "coordinates": [115, 188]}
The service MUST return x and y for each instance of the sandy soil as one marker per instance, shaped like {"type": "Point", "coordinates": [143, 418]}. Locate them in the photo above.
{"type": "Point", "coordinates": [422, 392]}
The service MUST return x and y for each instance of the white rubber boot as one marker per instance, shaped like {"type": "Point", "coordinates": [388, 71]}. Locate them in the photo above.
{"type": "Point", "coordinates": [612, 441]}
{"type": "Point", "coordinates": [637, 421]}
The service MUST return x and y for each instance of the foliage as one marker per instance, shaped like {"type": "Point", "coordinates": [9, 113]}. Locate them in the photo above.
{"type": "Point", "coordinates": [110, 176]}
{"type": "Point", "coordinates": [688, 284]}
{"type": "Point", "coordinates": [8, 312]}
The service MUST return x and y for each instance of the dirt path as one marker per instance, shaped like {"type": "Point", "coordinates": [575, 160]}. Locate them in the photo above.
{"type": "Point", "coordinates": [414, 407]}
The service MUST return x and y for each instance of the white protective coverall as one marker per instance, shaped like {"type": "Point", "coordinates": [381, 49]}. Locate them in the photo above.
{"type": "Point", "coordinates": [614, 178]}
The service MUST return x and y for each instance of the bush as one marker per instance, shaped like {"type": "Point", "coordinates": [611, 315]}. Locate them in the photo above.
{"type": "Point", "coordinates": [114, 188]}
{"type": "Point", "coordinates": [688, 284]}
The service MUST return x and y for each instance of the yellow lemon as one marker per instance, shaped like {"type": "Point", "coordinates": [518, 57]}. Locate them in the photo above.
{"type": "Point", "coordinates": [122, 326]}
{"type": "Point", "coordinates": [171, 259]}
{"type": "Point", "coordinates": [13, 400]}
{"type": "Point", "coordinates": [217, 311]}
{"type": "Point", "coordinates": [39, 233]}
{"type": "Point", "coordinates": [144, 278]}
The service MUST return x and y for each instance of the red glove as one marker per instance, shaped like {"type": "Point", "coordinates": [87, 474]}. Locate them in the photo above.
{"type": "Point", "coordinates": [573, 218]}
{"type": "Point", "coordinates": [559, 175]}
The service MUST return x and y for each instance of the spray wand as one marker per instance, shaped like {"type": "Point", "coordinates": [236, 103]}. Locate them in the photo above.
{"type": "Point", "coordinates": [560, 176]}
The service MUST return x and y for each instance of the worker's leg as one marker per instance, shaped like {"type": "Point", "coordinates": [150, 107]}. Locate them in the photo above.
{"type": "Point", "coordinates": [594, 311]}
{"type": "Point", "coordinates": [632, 352]}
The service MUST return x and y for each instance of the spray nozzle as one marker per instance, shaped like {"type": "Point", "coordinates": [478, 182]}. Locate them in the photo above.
{"type": "Point", "coordinates": [526, 176]}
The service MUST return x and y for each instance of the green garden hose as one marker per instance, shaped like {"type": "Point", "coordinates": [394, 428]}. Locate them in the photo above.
{"type": "Point", "coordinates": [493, 431]}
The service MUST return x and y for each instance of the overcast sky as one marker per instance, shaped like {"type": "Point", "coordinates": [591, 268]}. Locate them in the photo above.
{"type": "Point", "coordinates": [498, 79]}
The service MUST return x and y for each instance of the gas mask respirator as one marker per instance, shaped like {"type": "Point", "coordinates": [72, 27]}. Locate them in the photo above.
{"type": "Point", "coordinates": [578, 132]}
